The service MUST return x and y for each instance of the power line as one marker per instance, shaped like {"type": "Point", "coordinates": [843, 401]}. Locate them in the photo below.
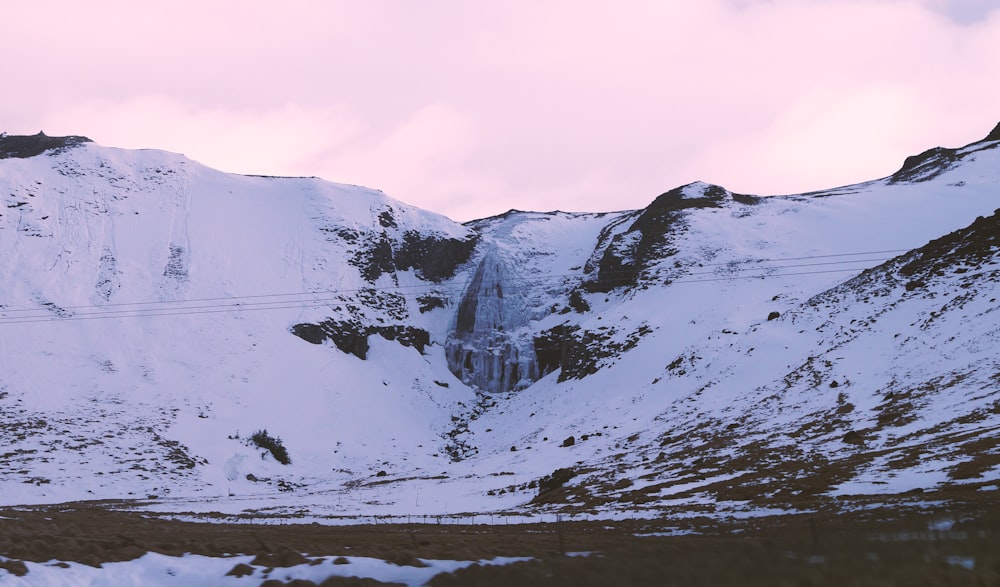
{"type": "Point", "coordinates": [277, 305]}
{"type": "Point", "coordinates": [142, 314]}
{"type": "Point", "coordinates": [278, 301]}
{"type": "Point", "coordinates": [417, 288]}
{"type": "Point", "coordinates": [769, 276]}
{"type": "Point", "coordinates": [878, 260]}
{"type": "Point", "coordinates": [885, 252]}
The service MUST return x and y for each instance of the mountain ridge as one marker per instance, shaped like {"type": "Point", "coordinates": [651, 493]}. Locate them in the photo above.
{"type": "Point", "coordinates": [156, 313]}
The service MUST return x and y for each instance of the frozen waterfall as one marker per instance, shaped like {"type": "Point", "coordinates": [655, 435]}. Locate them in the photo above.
{"type": "Point", "coordinates": [489, 347]}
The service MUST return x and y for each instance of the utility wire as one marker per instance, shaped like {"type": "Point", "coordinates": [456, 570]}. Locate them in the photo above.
{"type": "Point", "coordinates": [277, 301]}
{"type": "Point", "coordinates": [277, 305]}
{"type": "Point", "coordinates": [878, 260]}
{"type": "Point", "coordinates": [423, 287]}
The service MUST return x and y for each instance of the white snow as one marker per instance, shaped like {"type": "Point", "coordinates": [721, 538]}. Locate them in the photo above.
{"type": "Point", "coordinates": [146, 302]}
{"type": "Point", "coordinates": [158, 570]}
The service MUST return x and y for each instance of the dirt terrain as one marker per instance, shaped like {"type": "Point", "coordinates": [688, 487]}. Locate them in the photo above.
{"type": "Point", "coordinates": [951, 541]}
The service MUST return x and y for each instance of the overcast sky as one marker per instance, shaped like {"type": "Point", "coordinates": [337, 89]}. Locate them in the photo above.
{"type": "Point", "coordinates": [470, 108]}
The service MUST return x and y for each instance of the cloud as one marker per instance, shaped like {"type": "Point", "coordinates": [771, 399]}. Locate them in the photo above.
{"type": "Point", "coordinates": [281, 140]}
{"type": "Point", "coordinates": [471, 108]}
{"type": "Point", "coordinates": [965, 11]}
{"type": "Point", "coordinates": [816, 142]}
{"type": "Point", "coordinates": [419, 153]}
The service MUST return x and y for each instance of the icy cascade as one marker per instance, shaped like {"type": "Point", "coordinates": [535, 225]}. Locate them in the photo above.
{"type": "Point", "coordinates": [485, 349]}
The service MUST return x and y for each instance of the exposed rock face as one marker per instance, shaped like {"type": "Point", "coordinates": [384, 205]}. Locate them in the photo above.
{"type": "Point", "coordinates": [351, 337]}
{"type": "Point", "coordinates": [955, 253]}
{"type": "Point", "coordinates": [578, 352]}
{"type": "Point", "coordinates": [994, 135]}
{"type": "Point", "coordinates": [933, 162]}
{"type": "Point", "coordinates": [650, 234]}
{"type": "Point", "coordinates": [22, 147]}
{"type": "Point", "coordinates": [485, 349]}
{"type": "Point", "coordinates": [434, 258]}
{"type": "Point", "coordinates": [925, 166]}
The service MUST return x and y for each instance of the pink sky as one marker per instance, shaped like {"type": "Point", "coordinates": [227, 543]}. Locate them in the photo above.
{"type": "Point", "coordinates": [472, 108]}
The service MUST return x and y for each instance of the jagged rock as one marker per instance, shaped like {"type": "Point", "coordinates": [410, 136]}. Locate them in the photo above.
{"type": "Point", "coordinates": [375, 259]}
{"type": "Point", "coordinates": [431, 257]}
{"type": "Point", "coordinates": [994, 134]}
{"type": "Point", "coordinates": [386, 219]}
{"type": "Point", "coordinates": [651, 233]}
{"type": "Point", "coordinates": [352, 337]}
{"type": "Point", "coordinates": [553, 348]}
{"type": "Point", "coordinates": [925, 166]}
{"type": "Point", "coordinates": [404, 335]}
{"type": "Point", "coordinates": [970, 246]}
{"type": "Point", "coordinates": [933, 162]}
{"type": "Point", "coordinates": [428, 303]}
{"type": "Point", "coordinates": [579, 352]}
{"type": "Point", "coordinates": [434, 258]}
{"type": "Point", "coordinates": [24, 146]}
{"type": "Point", "coordinates": [577, 302]}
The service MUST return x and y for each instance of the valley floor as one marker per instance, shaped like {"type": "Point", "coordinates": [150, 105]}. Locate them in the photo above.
{"type": "Point", "coordinates": [935, 540]}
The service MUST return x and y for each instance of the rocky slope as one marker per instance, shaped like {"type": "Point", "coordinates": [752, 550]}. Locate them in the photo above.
{"type": "Point", "coordinates": [713, 351]}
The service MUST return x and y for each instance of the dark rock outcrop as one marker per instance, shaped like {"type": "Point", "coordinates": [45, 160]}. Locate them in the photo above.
{"type": "Point", "coordinates": [24, 146]}
{"type": "Point", "coordinates": [578, 352]}
{"type": "Point", "coordinates": [352, 337]}
{"type": "Point", "coordinates": [556, 348]}
{"type": "Point", "coordinates": [375, 259]}
{"type": "Point", "coordinates": [432, 257]}
{"type": "Point", "coordinates": [957, 251]}
{"type": "Point", "coordinates": [933, 162]}
{"type": "Point", "coordinates": [994, 135]}
{"type": "Point", "coordinates": [649, 236]}
{"type": "Point", "coordinates": [925, 166]}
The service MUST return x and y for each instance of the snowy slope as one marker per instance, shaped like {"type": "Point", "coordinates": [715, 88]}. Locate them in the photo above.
{"type": "Point", "coordinates": [711, 349]}
{"type": "Point", "coordinates": [173, 288]}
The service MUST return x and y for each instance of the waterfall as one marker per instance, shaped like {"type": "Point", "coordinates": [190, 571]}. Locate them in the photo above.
{"type": "Point", "coordinates": [489, 347]}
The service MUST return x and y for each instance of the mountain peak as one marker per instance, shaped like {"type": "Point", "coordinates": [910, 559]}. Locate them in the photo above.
{"type": "Point", "coordinates": [933, 162]}
{"type": "Point", "coordinates": [994, 135]}
{"type": "Point", "coordinates": [698, 194]}
{"type": "Point", "coordinates": [24, 146]}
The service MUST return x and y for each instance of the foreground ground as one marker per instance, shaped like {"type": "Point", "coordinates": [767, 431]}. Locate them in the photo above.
{"type": "Point", "coordinates": [951, 541]}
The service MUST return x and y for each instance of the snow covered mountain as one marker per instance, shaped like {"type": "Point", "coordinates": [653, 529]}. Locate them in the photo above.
{"type": "Point", "coordinates": [713, 351]}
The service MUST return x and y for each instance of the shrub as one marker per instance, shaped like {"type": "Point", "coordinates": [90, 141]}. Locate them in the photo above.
{"type": "Point", "coordinates": [264, 440]}
{"type": "Point", "coordinates": [557, 479]}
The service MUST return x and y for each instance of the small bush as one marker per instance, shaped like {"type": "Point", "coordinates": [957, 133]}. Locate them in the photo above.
{"type": "Point", "coordinates": [557, 479]}
{"type": "Point", "coordinates": [264, 440]}
{"type": "Point", "coordinates": [853, 437]}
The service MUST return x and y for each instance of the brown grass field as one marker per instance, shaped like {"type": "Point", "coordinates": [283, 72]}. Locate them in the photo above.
{"type": "Point", "coordinates": [932, 541]}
